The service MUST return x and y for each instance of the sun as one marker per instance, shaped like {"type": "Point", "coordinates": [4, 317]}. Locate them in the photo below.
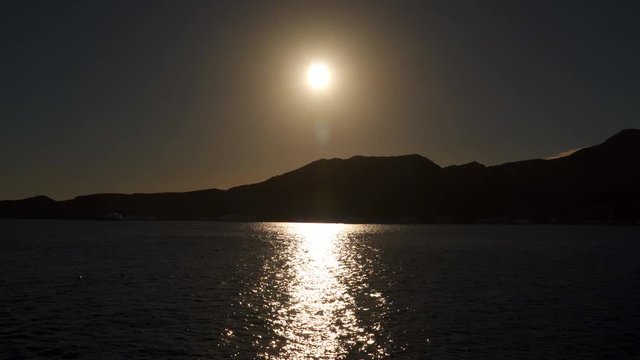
{"type": "Point", "coordinates": [318, 76]}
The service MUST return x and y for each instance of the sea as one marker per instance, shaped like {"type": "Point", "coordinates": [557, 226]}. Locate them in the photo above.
{"type": "Point", "coordinates": [210, 290]}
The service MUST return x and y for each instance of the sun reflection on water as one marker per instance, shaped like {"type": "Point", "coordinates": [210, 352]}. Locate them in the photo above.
{"type": "Point", "coordinates": [321, 310]}
{"type": "Point", "coordinates": [313, 298]}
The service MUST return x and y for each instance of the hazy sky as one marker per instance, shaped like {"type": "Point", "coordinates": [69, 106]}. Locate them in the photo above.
{"type": "Point", "coordinates": [147, 96]}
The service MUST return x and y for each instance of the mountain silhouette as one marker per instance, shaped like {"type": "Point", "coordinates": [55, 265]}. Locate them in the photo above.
{"type": "Point", "coordinates": [598, 184]}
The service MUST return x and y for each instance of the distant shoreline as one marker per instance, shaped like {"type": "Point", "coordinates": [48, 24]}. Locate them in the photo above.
{"type": "Point", "coordinates": [594, 185]}
{"type": "Point", "coordinates": [585, 223]}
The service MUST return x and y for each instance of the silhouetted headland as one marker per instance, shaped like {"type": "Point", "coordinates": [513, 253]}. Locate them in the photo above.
{"type": "Point", "coordinates": [598, 184]}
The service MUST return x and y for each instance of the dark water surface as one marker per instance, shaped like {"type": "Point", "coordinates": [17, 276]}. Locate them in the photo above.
{"type": "Point", "coordinates": [107, 290]}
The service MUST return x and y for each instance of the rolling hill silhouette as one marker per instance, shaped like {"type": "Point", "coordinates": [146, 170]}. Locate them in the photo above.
{"type": "Point", "coordinates": [595, 184]}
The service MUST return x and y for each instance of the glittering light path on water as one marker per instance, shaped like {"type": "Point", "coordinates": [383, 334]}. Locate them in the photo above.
{"type": "Point", "coordinates": [313, 299]}
{"type": "Point", "coordinates": [321, 312]}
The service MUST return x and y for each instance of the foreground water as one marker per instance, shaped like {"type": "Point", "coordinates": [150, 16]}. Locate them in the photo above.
{"type": "Point", "coordinates": [105, 290]}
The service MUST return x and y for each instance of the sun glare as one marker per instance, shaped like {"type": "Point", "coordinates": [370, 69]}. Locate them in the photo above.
{"type": "Point", "coordinates": [318, 76]}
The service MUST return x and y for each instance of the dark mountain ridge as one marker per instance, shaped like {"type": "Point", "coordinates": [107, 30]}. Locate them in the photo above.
{"type": "Point", "coordinates": [595, 184]}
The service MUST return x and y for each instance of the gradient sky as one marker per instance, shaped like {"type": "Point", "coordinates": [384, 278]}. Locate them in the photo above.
{"type": "Point", "coordinates": [149, 96]}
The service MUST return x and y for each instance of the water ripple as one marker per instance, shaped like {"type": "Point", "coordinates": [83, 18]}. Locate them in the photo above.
{"type": "Point", "coordinates": [313, 298]}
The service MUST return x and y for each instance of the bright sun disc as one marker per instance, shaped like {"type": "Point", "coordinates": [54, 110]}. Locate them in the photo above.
{"type": "Point", "coordinates": [318, 76]}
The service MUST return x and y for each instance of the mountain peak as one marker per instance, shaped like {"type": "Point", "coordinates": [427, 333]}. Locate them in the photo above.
{"type": "Point", "coordinates": [620, 148]}
{"type": "Point", "coordinates": [410, 158]}
{"type": "Point", "coordinates": [374, 160]}
{"type": "Point", "coordinates": [625, 135]}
